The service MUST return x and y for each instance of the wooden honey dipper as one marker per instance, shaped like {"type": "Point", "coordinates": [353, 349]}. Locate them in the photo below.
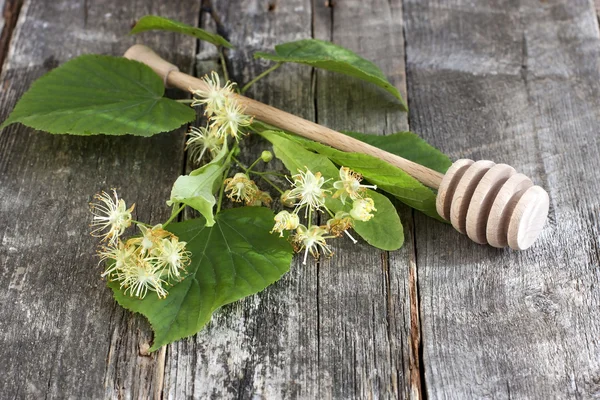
{"type": "Point", "coordinates": [490, 203]}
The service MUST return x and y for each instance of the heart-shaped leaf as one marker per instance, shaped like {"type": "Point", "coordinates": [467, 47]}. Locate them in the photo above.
{"type": "Point", "coordinates": [153, 22]}
{"type": "Point", "coordinates": [94, 94]}
{"type": "Point", "coordinates": [331, 57]}
{"type": "Point", "coordinates": [233, 259]}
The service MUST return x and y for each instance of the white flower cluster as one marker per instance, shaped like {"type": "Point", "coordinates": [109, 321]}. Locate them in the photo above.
{"type": "Point", "coordinates": [148, 262]}
{"type": "Point", "coordinates": [308, 193]}
{"type": "Point", "coordinates": [225, 117]}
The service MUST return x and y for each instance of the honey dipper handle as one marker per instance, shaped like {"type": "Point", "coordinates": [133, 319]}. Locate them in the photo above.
{"type": "Point", "coordinates": [284, 120]}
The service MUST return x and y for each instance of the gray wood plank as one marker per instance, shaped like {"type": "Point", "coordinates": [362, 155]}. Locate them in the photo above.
{"type": "Point", "coordinates": [367, 294]}
{"type": "Point", "coordinates": [63, 336]}
{"type": "Point", "coordinates": [515, 82]}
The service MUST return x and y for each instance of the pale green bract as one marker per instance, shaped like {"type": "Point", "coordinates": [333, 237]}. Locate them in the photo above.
{"type": "Point", "coordinates": [235, 258]}
{"type": "Point", "coordinates": [383, 231]}
{"type": "Point", "coordinates": [94, 94]}
{"type": "Point", "coordinates": [153, 22]}
{"type": "Point", "coordinates": [198, 189]}
{"type": "Point", "coordinates": [331, 57]}
{"type": "Point", "coordinates": [407, 145]}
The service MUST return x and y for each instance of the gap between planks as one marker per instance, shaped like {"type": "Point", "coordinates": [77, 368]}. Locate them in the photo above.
{"type": "Point", "coordinates": [416, 378]}
{"type": "Point", "coordinates": [416, 360]}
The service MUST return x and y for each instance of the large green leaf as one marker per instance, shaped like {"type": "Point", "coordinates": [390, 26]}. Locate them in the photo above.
{"type": "Point", "coordinates": [328, 56]}
{"type": "Point", "coordinates": [233, 259]}
{"type": "Point", "coordinates": [94, 94]}
{"type": "Point", "coordinates": [383, 231]}
{"type": "Point", "coordinates": [409, 146]}
{"type": "Point", "coordinates": [197, 189]}
{"type": "Point", "coordinates": [386, 176]}
{"type": "Point", "coordinates": [153, 22]}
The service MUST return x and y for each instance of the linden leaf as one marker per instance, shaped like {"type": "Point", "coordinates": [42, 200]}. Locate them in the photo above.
{"type": "Point", "coordinates": [153, 22]}
{"type": "Point", "coordinates": [235, 258]}
{"type": "Point", "coordinates": [331, 57]}
{"type": "Point", "coordinates": [94, 94]}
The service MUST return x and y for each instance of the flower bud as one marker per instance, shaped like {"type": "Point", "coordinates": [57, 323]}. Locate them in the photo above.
{"type": "Point", "coordinates": [266, 156]}
{"type": "Point", "coordinates": [285, 221]}
{"type": "Point", "coordinates": [362, 208]}
{"type": "Point", "coordinates": [286, 200]}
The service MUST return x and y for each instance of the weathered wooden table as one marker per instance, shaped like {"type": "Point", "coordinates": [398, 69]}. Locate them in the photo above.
{"type": "Point", "coordinates": [516, 81]}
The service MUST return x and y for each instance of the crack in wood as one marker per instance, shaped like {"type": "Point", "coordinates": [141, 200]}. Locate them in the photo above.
{"type": "Point", "coordinates": [10, 14]}
{"type": "Point", "coordinates": [416, 361]}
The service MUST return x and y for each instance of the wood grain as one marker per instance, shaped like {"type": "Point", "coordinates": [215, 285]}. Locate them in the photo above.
{"type": "Point", "coordinates": [63, 336]}
{"type": "Point", "coordinates": [513, 82]}
{"type": "Point", "coordinates": [375, 307]}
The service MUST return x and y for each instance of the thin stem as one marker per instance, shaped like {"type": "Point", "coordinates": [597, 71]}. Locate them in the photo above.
{"type": "Point", "coordinates": [272, 184]}
{"type": "Point", "coordinates": [253, 165]}
{"type": "Point", "coordinates": [260, 174]}
{"type": "Point", "coordinates": [140, 223]}
{"type": "Point", "coordinates": [223, 64]}
{"type": "Point", "coordinates": [185, 101]}
{"type": "Point", "coordinates": [173, 215]}
{"type": "Point", "coordinates": [259, 77]}
{"type": "Point", "coordinates": [222, 189]}
{"type": "Point", "coordinates": [270, 173]}
{"type": "Point", "coordinates": [240, 164]}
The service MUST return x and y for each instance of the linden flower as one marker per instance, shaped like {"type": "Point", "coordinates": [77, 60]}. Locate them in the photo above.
{"type": "Point", "coordinates": [340, 223]}
{"type": "Point", "coordinates": [121, 255]}
{"type": "Point", "coordinates": [285, 221]}
{"type": "Point", "coordinates": [286, 200]}
{"type": "Point", "coordinates": [141, 276]}
{"type": "Point", "coordinates": [214, 96]}
{"type": "Point", "coordinates": [241, 188]}
{"type": "Point", "coordinates": [266, 198]}
{"type": "Point", "coordinates": [262, 198]}
{"type": "Point", "coordinates": [312, 239]}
{"type": "Point", "coordinates": [361, 209]}
{"type": "Point", "coordinates": [172, 256]}
{"type": "Point", "coordinates": [202, 139]}
{"type": "Point", "coordinates": [151, 238]}
{"type": "Point", "coordinates": [308, 189]}
{"type": "Point", "coordinates": [349, 185]}
{"type": "Point", "coordinates": [110, 215]}
{"type": "Point", "coordinates": [229, 119]}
